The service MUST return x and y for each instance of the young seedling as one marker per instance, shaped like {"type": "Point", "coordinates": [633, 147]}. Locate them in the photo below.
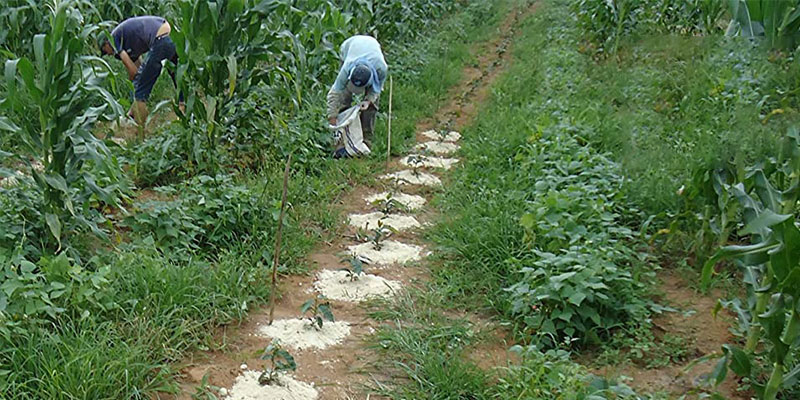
{"type": "Point", "coordinates": [206, 391]}
{"type": "Point", "coordinates": [379, 234]}
{"type": "Point", "coordinates": [356, 266]}
{"type": "Point", "coordinates": [281, 361]}
{"type": "Point", "coordinates": [416, 161]}
{"type": "Point", "coordinates": [397, 182]}
{"type": "Point", "coordinates": [317, 310]}
{"type": "Point", "coordinates": [390, 205]}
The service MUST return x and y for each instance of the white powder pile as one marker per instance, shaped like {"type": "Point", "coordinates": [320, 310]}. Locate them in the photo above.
{"type": "Point", "coordinates": [391, 252]}
{"type": "Point", "coordinates": [299, 334]}
{"type": "Point", "coordinates": [246, 387]}
{"type": "Point", "coordinates": [336, 285]}
{"type": "Point", "coordinates": [438, 147]}
{"type": "Point", "coordinates": [407, 176]}
{"type": "Point", "coordinates": [370, 221]}
{"type": "Point", "coordinates": [451, 136]}
{"type": "Point", "coordinates": [428, 162]}
{"type": "Point", "coordinates": [411, 201]}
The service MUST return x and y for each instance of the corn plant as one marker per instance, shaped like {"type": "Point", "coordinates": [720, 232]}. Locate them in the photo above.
{"type": "Point", "coordinates": [317, 310]}
{"type": "Point", "coordinates": [119, 10]}
{"type": "Point", "coordinates": [19, 21]}
{"type": "Point", "coordinates": [63, 89]}
{"type": "Point", "coordinates": [778, 21]}
{"type": "Point", "coordinates": [222, 49]}
{"type": "Point", "coordinates": [771, 269]}
{"type": "Point", "coordinates": [280, 361]}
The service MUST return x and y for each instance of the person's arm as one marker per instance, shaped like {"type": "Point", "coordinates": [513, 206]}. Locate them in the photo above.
{"type": "Point", "coordinates": [129, 64]}
{"type": "Point", "coordinates": [336, 95]}
{"type": "Point", "coordinates": [335, 103]}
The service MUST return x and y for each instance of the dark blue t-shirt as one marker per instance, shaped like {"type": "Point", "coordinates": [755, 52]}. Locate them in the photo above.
{"type": "Point", "coordinates": [136, 35]}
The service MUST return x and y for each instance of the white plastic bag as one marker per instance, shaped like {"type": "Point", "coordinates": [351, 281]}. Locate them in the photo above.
{"type": "Point", "coordinates": [348, 130]}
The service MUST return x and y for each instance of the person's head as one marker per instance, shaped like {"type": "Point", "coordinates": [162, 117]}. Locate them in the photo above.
{"type": "Point", "coordinates": [104, 45]}
{"type": "Point", "coordinates": [361, 75]}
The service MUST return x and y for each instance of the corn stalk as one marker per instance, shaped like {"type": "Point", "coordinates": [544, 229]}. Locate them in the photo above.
{"type": "Point", "coordinates": [778, 21]}
{"type": "Point", "coordinates": [52, 103]}
{"type": "Point", "coordinates": [771, 269]}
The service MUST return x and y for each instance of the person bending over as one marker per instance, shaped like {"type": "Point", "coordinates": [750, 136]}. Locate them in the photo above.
{"type": "Point", "coordinates": [363, 73]}
{"type": "Point", "coordinates": [132, 39]}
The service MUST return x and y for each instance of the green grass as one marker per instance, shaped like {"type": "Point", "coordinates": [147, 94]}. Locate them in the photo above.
{"type": "Point", "coordinates": [666, 106]}
{"type": "Point", "coordinates": [659, 111]}
{"type": "Point", "coordinates": [533, 215]}
{"type": "Point", "coordinates": [428, 353]}
{"type": "Point", "coordinates": [165, 297]}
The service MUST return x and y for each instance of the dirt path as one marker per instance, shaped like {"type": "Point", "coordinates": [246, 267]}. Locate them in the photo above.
{"type": "Point", "coordinates": [340, 371]}
{"type": "Point", "coordinates": [704, 335]}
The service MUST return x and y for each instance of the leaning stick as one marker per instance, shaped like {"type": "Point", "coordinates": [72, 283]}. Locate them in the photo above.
{"type": "Point", "coordinates": [389, 138]}
{"type": "Point", "coordinates": [278, 241]}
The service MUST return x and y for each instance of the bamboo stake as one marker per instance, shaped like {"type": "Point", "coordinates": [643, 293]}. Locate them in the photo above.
{"type": "Point", "coordinates": [389, 137]}
{"type": "Point", "coordinates": [276, 256]}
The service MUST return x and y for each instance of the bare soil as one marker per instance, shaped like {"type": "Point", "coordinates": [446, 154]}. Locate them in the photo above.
{"type": "Point", "coordinates": [705, 333]}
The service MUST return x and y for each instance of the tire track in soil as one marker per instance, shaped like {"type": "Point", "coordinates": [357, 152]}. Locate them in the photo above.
{"type": "Point", "coordinates": [342, 371]}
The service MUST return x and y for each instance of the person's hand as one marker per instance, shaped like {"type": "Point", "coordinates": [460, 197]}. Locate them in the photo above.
{"type": "Point", "coordinates": [132, 76]}
{"type": "Point", "coordinates": [332, 120]}
{"type": "Point", "coordinates": [182, 107]}
{"type": "Point", "coordinates": [365, 105]}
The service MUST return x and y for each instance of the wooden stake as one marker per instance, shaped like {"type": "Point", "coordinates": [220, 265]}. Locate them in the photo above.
{"type": "Point", "coordinates": [277, 254]}
{"type": "Point", "coordinates": [389, 137]}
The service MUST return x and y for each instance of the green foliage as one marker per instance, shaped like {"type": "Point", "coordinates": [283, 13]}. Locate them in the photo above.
{"type": "Point", "coordinates": [21, 219]}
{"type": "Point", "coordinates": [222, 50]}
{"type": "Point", "coordinates": [435, 354]}
{"type": "Point", "coordinates": [120, 10]}
{"type": "Point", "coordinates": [540, 228]}
{"type": "Point", "coordinates": [578, 281]}
{"type": "Point", "coordinates": [355, 268]}
{"type": "Point", "coordinates": [636, 343]}
{"type": "Point", "coordinates": [771, 268]}
{"type": "Point", "coordinates": [551, 375]}
{"type": "Point", "coordinates": [32, 294]}
{"type": "Point", "coordinates": [20, 20]}
{"type": "Point", "coordinates": [317, 310]}
{"type": "Point", "coordinates": [605, 22]}
{"type": "Point", "coordinates": [778, 21]}
{"type": "Point", "coordinates": [280, 361]}
{"type": "Point", "coordinates": [105, 361]}
{"type": "Point", "coordinates": [163, 295]}
{"type": "Point", "coordinates": [63, 88]}
{"type": "Point", "coordinates": [158, 160]}
{"type": "Point", "coordinates": [209, 214]}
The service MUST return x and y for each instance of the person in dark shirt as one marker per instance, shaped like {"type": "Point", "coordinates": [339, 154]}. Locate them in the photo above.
{"type": "Point", "coordinates": [132, 38]}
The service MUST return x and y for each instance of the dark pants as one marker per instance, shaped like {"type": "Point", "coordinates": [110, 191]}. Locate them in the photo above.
{"type": "Point", "coordinates": [368, 123]}
{"type": "Point", "coordinates": [162, 49]}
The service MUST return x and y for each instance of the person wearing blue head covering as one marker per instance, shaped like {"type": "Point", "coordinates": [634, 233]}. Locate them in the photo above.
{"type": "Point", "coordinates": [363, 73]}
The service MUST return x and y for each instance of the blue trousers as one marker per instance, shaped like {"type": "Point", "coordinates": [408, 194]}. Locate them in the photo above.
{"type": "Point", "coordinates": [162, 49]}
